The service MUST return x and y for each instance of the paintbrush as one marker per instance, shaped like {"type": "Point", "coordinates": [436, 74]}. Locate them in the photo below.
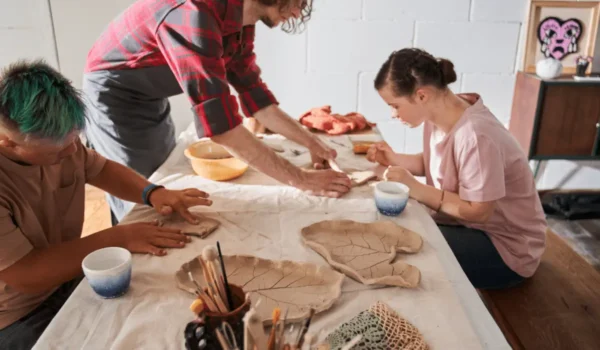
{"type": "Point", "coordinates": [280, 336]}
{"type": "Point", "coordinates": [192, 279]}
{"type": "Point", "coordinates": [200, 293]}
{"type": "Point", "coordinates": [212, 284]}
{"type": "Point", "coordinates": [207, 276]}
{"type": "Point", "coordinates": [211, 255]}
{"type": "Point", "coordinates": [272, 336]}
{"type": "Point", "coordinates": [300, 339]}
{"type": "Point", "coordinates": [227, 289]}
{"type": "Point", "coordinates": [217, 295]}
{"type": "Point", "coordinates": [208, 301]}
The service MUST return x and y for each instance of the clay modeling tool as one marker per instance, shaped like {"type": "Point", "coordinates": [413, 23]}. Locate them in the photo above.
{"type": "Point", "coordinates": [229, 336]}
{"type": "Point", "coordinates": [385, 173]}
{"type": "Point", "coordinates": [222, 340]}
{"type": "Point", "coordinates": [333, 165]}
{"type": "Point", "coordinates": [272, 335]}
{"type": "Point", "coordinates": [300, 339]}
{"type": "Point", "coordinates": [253, 326]}
{"type": "Point", "coordinates": [227, 289]}
{"type": "Point", "coordinates": [211, 255]}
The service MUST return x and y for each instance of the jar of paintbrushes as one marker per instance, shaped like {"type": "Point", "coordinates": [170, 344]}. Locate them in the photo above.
{"type": "Point", "coordinates": [225, 318]}
{"type": "Point", "coordinates": [219, 307]}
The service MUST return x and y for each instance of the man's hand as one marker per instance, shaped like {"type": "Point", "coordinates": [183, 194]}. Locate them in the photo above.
{"type": "Point", "coordinates": [320, 153]}
{"type": "Point", "coordinates": [149, 238]}
{"type": "Point", "coordinates": [381, 153]}
{"type": "Point", "coordinates": [168, 201]}
{"type": "Point", "coordinates": [326, 183]}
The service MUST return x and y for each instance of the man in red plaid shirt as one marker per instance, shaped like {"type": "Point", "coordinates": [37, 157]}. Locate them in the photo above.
{"type": "Point", "coordinates": [160, 48]}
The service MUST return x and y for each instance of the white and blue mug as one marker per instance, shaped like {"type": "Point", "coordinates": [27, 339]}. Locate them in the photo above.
{"type": "Point", "coordinates": [391, 197]}
{"type": "Point", "coordinates": [108, 271]}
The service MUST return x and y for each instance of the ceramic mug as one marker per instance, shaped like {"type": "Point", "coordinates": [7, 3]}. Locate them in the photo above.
{"type": "Point", "coordinates": [391, 197]}
{"type": "Point", "coordinates": [108, 271]}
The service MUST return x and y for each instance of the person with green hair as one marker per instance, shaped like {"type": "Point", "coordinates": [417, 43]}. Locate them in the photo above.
{"type": "Point", "coordinates": [43, 171]}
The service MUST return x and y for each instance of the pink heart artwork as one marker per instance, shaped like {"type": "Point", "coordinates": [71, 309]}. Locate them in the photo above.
{"type": "Point", "coordinates": [559, 38]}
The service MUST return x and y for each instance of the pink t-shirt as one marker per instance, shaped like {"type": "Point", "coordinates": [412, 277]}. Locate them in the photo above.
{"type": "Point", "coordinates": [481, 161]}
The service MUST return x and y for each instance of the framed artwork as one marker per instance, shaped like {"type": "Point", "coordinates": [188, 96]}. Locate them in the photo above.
{"type": "Point", "coordinates": [562, 30]}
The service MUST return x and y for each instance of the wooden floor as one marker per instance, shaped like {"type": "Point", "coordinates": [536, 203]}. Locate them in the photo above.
{"type": "Point", "coordinates": [583, 236]}
{"type": "Point", "coordinates": [97, 212]}
{"type": "Point", "coordinates": [558, 308]}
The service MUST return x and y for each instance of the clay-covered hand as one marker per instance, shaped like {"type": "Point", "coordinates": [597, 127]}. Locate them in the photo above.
{"type": "Point", "coordinates": [399, 174]}
{"type": "Point", "coordinates": [381, 153]}
{"type": "Point", "coordinates": [149, 238]}
{"type": "Point", "coordinates": [320, 153]}
{"type": "Point", "coordinates": [328, 183]}
{"type": "Point", "coordinates": [166, 202]}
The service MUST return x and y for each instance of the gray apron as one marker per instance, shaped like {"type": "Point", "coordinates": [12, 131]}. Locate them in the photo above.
{"type": "Point", "coordinates": [129, 121]}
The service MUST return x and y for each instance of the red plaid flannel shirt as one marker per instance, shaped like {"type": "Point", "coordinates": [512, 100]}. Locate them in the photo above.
{"type": "Point", "coordinates": [205, 46]}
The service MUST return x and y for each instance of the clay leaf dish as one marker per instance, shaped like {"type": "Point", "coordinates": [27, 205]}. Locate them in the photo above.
{"type": "Point", "coordinates": [366, 252]}
{"type": "Point", "coordinates": [205, 227]}
{"type": "Point", "coordinates": [360, 177]}
{"type": "Point", "coordinates": [289, 285]}
{"type": "Point", "coordinates": [357, 177]}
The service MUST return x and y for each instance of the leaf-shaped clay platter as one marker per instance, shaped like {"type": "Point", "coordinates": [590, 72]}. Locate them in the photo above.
{"type": "Point", "coordinates": [292, 286]}
{"type": "Point", "coordinates": [366, 252]}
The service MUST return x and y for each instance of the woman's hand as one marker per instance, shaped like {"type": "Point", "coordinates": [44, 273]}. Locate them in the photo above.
{"type": "Point", "coordinates": [399, 174]}
{"type": "Point", "coordinates": [381, 153]}
{"type": "Point", "coordinates": [168, 201]}
{"type": "Point", "coordinates": [149, 238]}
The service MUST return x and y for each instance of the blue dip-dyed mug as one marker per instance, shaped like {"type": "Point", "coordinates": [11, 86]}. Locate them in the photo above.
{"type": "Point", "coordinates": [108, 271]}
{"type": "Point", "coordinates": [391, 197]}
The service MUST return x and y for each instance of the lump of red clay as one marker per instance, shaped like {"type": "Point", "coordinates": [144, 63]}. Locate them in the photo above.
{"type": "Point", "coordinates": [322, 119]}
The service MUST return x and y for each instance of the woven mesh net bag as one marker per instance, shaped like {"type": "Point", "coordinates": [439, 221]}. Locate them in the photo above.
{"type": "Point", "coordinates": [381, 329]}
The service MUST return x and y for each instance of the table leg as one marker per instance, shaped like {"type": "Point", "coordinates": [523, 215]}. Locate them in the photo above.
{"type": "Point", "coordinates": [538, 163]}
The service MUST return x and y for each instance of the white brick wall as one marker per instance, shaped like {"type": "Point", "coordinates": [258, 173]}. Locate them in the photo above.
{"type": "Point", "coordinates": [335, 60]}
{"type": "Point", "coordinates": [317, 67]}
{"type": "Point", "coordinates": [26, 31]}
{"type": "Point", "coordinates": [482, 38]}
{"type": "Point", "coordinates": [422, 10]}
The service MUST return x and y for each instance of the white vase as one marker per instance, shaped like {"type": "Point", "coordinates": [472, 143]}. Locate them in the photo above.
{"type": "Point", "coordinates": [548, 68]}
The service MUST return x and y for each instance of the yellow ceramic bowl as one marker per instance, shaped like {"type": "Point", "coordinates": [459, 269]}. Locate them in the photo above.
{"type": "Point", "coordinates": [212, 161]}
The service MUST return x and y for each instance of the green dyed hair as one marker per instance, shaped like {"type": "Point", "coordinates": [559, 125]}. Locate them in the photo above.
{"type": "Point", "coordinates": [39, 102]}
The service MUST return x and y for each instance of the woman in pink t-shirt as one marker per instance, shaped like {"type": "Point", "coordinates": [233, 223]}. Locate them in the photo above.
{"type": "Point", "coordinates": [478, 181]}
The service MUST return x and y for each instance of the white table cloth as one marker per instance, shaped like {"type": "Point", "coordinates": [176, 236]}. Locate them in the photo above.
{"type": "Point", "coordinates": [263, 218]}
